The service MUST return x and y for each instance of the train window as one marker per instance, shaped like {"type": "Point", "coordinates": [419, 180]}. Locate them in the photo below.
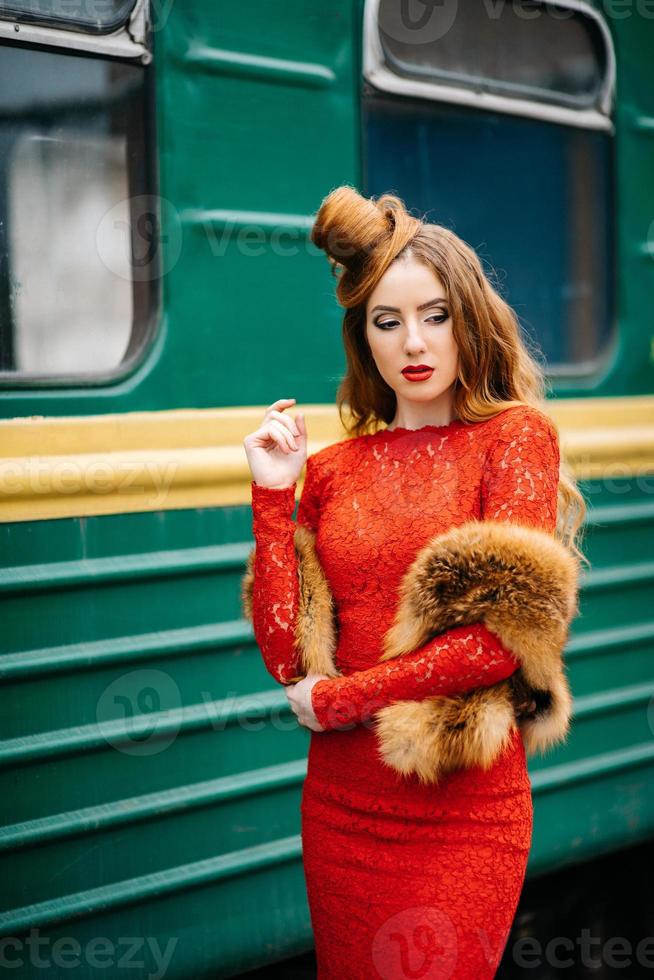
{"type": "Point", "coordinates": [76, 301]}
{"type": "Point", "coordinates": [519, 49]}
{"type": "Point", "coordinates": [93, 16]}
{"type": "Point", "coordinates": [520, 167]}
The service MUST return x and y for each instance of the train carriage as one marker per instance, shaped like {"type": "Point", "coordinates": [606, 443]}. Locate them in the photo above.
{"type": "Point", "coordinates": [160, 167]}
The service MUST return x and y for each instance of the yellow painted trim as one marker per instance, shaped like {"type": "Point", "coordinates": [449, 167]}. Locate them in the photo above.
{"type": "Point", "coordinates": [137, 461]}
{"type": "Point", "coordinates": [148, 461]}
{"type": "Point", "coordinates": [606, 437]}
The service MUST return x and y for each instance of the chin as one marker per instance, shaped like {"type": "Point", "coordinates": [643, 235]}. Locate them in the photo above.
{"type": "Point", "coordinates": [427, 393]}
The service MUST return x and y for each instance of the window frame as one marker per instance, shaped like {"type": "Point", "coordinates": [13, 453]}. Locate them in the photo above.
{"type": "Point", "coordinates": [132, 40]}
{"type": "Point", "coordinates": [377, 76]}
{"type": "Point", "coordinates": [377, 72]}
{"type": "Point", "coordinates": [123, 48]}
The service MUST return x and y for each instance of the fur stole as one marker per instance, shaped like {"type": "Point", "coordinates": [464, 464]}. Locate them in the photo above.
{"type": "Point", "coordinates": [520, 581]}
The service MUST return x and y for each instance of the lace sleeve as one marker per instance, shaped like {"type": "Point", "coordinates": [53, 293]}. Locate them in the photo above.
{"type": "Point", "coordinates": [521, 475]}
{"type": "Point", "coordinates": [275, 593]}
{"type": "Point", "coordinates": [454, 662]}
{"type": "Point", "coordinates": [519, 483]}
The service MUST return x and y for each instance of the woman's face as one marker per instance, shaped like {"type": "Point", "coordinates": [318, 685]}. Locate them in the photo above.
{"type": "Point", "coordinates": [408, 323]}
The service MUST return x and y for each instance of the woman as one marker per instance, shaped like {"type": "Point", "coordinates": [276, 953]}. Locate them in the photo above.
{"type": "Point", "coordinates": [405, 878]}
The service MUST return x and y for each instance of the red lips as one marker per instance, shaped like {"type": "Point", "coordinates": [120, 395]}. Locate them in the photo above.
{"type": "Point", "coordinates": [417, 372]}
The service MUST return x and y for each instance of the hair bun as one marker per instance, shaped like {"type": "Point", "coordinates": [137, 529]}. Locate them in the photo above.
{"type": "Point", "coordinates": [349, 228]}
{"type": "Point", "coordinates": [347, 225]}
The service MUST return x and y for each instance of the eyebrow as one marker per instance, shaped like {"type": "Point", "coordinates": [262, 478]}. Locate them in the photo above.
{"type": "Point", "coordinates": [423, 306]}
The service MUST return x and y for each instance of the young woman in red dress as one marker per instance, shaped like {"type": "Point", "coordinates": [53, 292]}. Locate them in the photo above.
{"type": "Point", "coordinates": [404, 879]}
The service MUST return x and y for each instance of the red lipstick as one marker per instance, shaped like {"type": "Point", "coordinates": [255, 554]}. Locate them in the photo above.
{"type": "Point", "coordinates": [417, 372]}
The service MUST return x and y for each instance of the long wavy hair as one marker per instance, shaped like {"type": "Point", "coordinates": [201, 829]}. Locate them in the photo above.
{"type": "Point", "coordinates": [361, 238]}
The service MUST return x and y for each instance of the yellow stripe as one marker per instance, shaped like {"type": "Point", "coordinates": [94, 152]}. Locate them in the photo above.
{"type": "Point", "coordinates": [143, 461]}
{"type": "Point", "coordinates": [606, 437]}
{"type": "Point", "coordinates": [139, 461]}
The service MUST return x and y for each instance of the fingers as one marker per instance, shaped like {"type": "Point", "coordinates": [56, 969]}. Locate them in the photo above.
{"type": "Point", "coordinates": [276, 411]}
{"type": "Point", "coordinates": [293, 706]}
{"type": "Point", "coordinates": [279, 405]}
{"type": "Point", "coordinates": [282, 436]}
{"type": "Point", "coordinates": [288, 421]}
{"type": "Point", "coordinates": [284, 428]}
{"type": "Point", "coordinates": [281, 401]}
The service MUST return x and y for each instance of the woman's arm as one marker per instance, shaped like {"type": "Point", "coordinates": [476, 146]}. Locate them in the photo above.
{"type": "Point", "coordinates": [520, 485]}
{"type": "Point", "coordinates": [457, 661]}
{"type": "Point", "coordinates": [275, 593]}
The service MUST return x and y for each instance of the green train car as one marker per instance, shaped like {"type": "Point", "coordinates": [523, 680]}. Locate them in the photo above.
{"type": "Point", "coordinates": [160, 167]}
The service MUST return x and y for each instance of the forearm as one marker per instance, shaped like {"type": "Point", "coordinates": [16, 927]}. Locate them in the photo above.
{"type": "Point", "coordinates": [275, 594]}
{"type": "Point", "coordinates": [457, 661]}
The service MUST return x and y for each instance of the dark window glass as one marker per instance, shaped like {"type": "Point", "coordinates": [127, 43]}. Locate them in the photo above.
{"type": "Point", "coordinates": [77, 291]}
{"type": "Point", "coordinates": [92, 16]}
{"type": "Point", "coordinates": [532, 197]}
{"type": "Point", "coordinates": [521, 49]}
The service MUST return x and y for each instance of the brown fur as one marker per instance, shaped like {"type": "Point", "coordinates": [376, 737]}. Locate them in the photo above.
{"type": "Point", "coordinates": [315, 629]}
{"type": "Point", "coordinates": [520, 581]}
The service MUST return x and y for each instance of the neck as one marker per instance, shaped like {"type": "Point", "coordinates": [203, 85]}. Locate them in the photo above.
{"type": "Point", "coordinates": [412, 416]}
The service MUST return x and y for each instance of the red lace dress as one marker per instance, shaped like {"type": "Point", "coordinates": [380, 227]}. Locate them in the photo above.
{"type": "Point", "coordinates": [403, 879]}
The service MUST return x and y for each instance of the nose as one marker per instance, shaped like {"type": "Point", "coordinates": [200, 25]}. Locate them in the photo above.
{"type": "Point", "coordinates": [414, 341]}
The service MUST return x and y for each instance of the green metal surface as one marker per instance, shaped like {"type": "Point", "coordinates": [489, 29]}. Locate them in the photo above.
{"type": "Point", "coordinates": [107, 829]}
{"type": "Point", "coordinates": [258, 118]}
{"type": "Point", "coordinates": [105, 824]}
{"type": "Point", "coordinates": [117, 627]}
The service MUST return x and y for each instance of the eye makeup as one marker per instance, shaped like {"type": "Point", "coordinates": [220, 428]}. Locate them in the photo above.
{"type": "Point", "coordinates": [388, 324]}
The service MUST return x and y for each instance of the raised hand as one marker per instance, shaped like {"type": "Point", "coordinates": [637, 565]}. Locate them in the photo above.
{"type": "Point", "coordinates": [277, 450]}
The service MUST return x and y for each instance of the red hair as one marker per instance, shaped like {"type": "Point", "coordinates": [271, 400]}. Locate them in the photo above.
{"type": "Point", "coordinates": [361, 238]}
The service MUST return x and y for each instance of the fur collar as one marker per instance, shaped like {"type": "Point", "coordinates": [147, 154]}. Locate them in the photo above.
{"type": "Point", "coordinates": [520, 581]}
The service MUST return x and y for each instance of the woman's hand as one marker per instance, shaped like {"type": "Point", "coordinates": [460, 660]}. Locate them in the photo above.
{"type": "Point", "coordinates": [277, 450]}
{"type": "Point", "coordinates": [299, 696]}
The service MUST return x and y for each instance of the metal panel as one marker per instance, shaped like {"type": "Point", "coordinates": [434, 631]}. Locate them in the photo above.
{"type": "Point", "coordinates": [150, 770]}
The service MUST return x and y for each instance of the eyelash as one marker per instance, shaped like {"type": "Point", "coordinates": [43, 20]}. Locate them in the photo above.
{"type": "Point", "coordinates": [385, 325]}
